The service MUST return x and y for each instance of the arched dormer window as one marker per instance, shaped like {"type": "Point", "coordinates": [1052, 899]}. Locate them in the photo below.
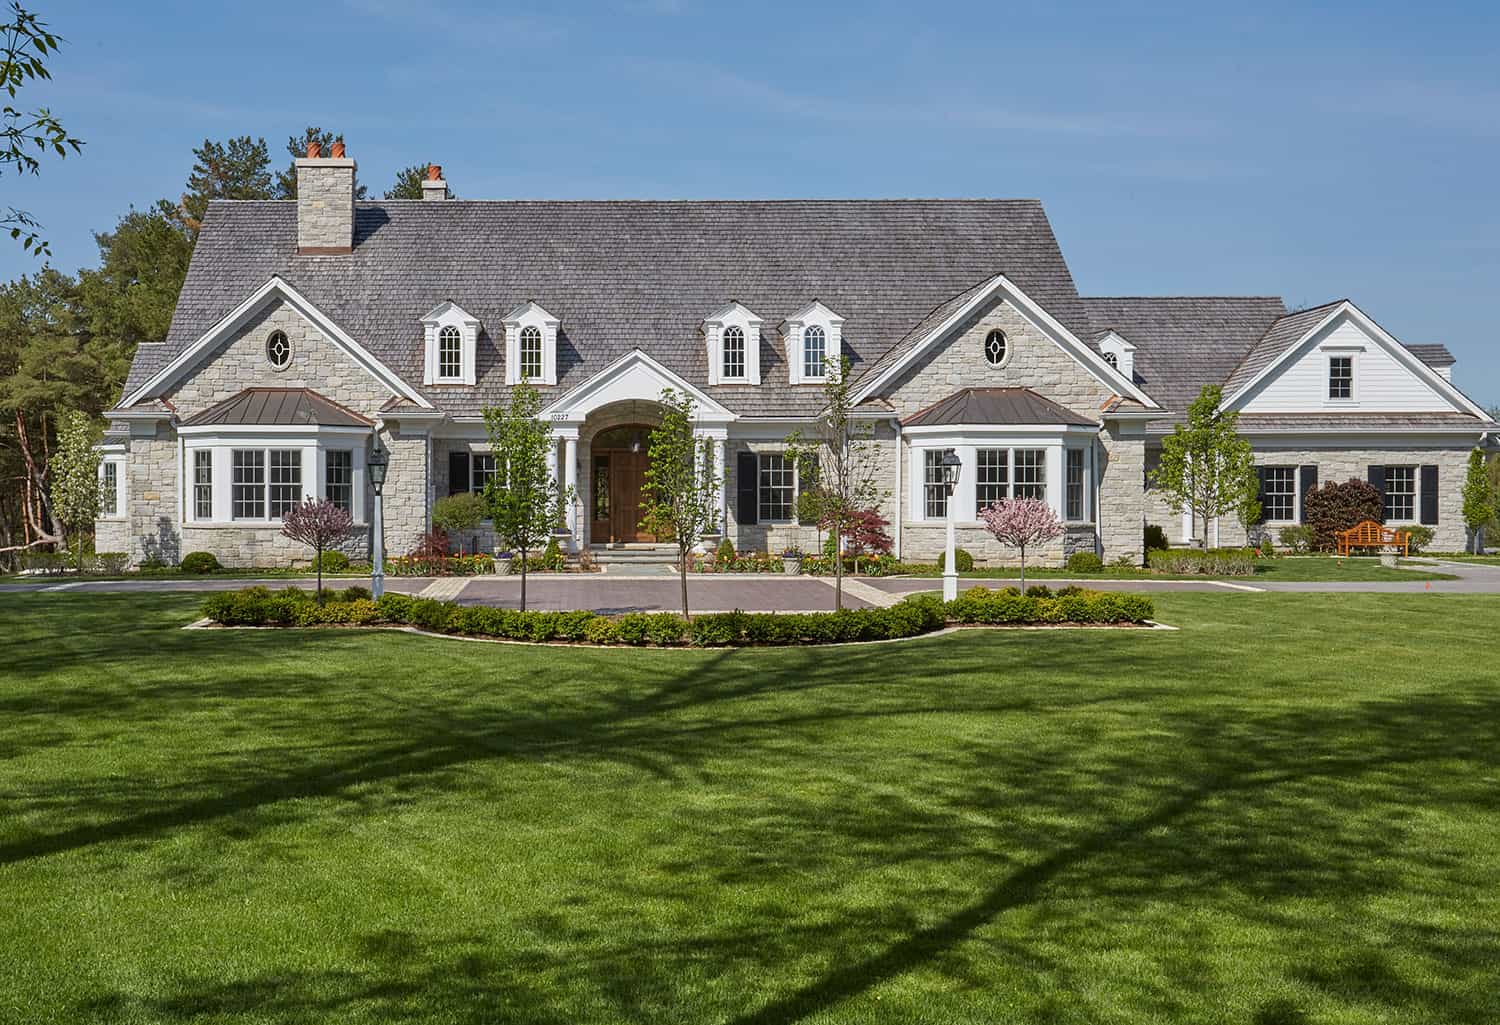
{"type": "Point", "coordinates": [814, 343]}
{"type": "Point", "coordinates": [732, 336]}
{"type": "Point", "coordinates": [531, 354]}
{"type": "Point", "coordinates": [733, 367]}
{"type": "Point", "coordinates": [530, 345]}
{"type": "Point", "coordinates": [452, 337]}
{"type": "Point", "coordinates": [1112, 360]}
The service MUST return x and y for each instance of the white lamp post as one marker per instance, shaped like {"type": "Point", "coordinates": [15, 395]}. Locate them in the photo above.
{"type": "Point", "coordinates": [951, 466]}
{"type": "Point", "coordinates": [377, 462]}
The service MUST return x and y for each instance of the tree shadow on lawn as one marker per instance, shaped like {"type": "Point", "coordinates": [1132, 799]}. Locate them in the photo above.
{"type": "Point", "coordinates": [1248, 810]}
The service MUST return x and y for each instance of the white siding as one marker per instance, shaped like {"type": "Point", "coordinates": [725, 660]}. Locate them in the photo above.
{"type": "Point", "coordinates": [1381, 382]}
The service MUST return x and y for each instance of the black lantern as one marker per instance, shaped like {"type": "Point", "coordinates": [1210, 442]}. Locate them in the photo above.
{"type": "Point", "coordinates": [951, 465]}
{"type": "Point", "coordinates": [377, 462]}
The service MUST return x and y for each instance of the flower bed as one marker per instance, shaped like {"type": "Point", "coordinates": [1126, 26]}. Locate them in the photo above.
{"type": "Point", "coordinates": [1214, 562]}
{"type": "Point", "coordinates": [440, 565]}
{"type": "Point", "coordinates": [259, 606]}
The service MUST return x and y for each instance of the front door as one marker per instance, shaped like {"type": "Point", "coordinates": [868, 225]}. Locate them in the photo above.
{"type": "Point", "coordinates": [619, 476]}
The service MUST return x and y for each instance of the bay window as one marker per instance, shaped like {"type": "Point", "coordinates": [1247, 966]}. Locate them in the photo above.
{"type": "Point", "coordinates": [934, 486]}
{"type": "Point", "coordinates": [254, 477]}
{"type": "Point", "coordinates": [1055, 466]}
{"type": "Point", "coordinates": [338, 479]}
{"type": "Point", "coordinates": [203, 484]}
{"type": "Point", "coordinates": [1031, 474]}
{"type": "Point", "coordinates": [992, 482]}
{"type": "Point", "coordinates": [286, 480]}
{"type": "Point", "coordinates": [1073, 502]}
{"type": "Point", "coordinates": [249, 490]}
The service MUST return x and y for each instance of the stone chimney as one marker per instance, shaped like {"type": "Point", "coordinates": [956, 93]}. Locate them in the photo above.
{"type": "Point", "coordinates": [433, 186]}
{"type": "Point", "coordinates": [325, 202]}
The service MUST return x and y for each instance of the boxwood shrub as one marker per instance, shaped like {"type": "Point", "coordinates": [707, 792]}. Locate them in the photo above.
{"type": "Point", "coordinates": [919, 614]}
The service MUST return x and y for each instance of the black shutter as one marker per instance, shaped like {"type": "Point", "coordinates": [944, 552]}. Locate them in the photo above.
{"type": "Point", "coordinates": [1262, 472]}
{"type": "Point", "coordinates": [1377, 478]}
{"type": "Point", "coordinates": [745, 469]}
{"type": "Point", "coordinates": [1429, 496]}
{"type": "Point", "coordinates": [1309, 483]}
{"type": "Point", "coordinates": [458, 472]}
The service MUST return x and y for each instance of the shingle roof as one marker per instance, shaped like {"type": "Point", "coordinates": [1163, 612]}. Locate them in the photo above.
{"type": "Point", "coordinates": [267, 407]}
{"type": "Point", "coordinates": [622, 275]}
{"type": "Point", "coordinates": [1183, 342]}
{"type": "Point", "coordinates": [1434, 354]}
{"type": "Point", "coordinates": [1279, 337]}
{"type": "Point", "coordinates": [1250, 423]}
{"type": "Point", "coordinates": [1006, 406]}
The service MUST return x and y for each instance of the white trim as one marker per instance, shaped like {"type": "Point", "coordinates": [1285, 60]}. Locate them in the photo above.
{"type": "Point", "coordinates": [1395, 349]}
{"type": "Point", "coordinates": [814, 314]}
{"type": "Point", "coordinates": [449, 314]}
{"type": "Point", "coordinates": [241, 315]}
{"type": "Point", "coordinates": [1039, 318]}
{"type": "Point", "coordinates": [578, 403]}
{"type": "Point", "coordinates": [313, 444]}
{"type": "Point", "coordinates": [530, 314]}
{"type": "Point", "coordinates": [118, 460]}
{"type": "Point", "coordinates": [735, 314]}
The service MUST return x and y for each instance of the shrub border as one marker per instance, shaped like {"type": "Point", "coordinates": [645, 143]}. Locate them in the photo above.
{"type": "Point", "coordinates": [916, 616]}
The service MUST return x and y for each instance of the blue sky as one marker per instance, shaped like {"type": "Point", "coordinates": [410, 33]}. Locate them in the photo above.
{"type": "Point", "coordinates": [1306, 151]}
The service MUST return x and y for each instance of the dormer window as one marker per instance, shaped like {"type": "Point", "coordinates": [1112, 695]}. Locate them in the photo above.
{"type": "Point", "coordinates": [1118, 353]}
{"type": "Point", "coordinates": [530, 345]}
{"type": "Point", "coordinates": [732, 336]}
{"type": "Point", "coordinates": [531, 354]}
{"type": "Point", "coordinates": [452, 341]}
{"type": "Point", "coordinates": [814, 343]}
{"type": "Point", "coordinates": [1112, 360]}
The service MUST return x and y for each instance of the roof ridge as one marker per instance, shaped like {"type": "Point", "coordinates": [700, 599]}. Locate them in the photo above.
{"type": "Point", "coordinates": [1158, 298]}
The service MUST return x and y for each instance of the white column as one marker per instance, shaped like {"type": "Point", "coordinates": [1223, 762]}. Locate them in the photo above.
{"type": "Point", "coordinates": [1056, 477]}
{"type": "Point", "coordinates": [720, 469]}
{"type": "Point", "coordinates": [570, 484]}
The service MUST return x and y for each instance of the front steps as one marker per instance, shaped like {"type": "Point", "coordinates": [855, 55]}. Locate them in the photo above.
{"type": "Point", "coordinates": [627, 557]}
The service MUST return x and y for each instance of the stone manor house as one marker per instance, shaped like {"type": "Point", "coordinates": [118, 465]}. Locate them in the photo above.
{"type": "Point", "coordinates": [307, 326]}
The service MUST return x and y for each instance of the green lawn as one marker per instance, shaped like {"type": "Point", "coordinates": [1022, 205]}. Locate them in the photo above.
{"type": "Point", "coordinates": [1358, 569]}
{"type": "Point", "coordinates": [1283, 814]}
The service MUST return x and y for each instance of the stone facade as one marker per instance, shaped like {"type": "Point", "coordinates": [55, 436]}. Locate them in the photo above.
{"type": "Point", "coordinates": [1339, 464]}
{"type": "Point", "coordinates": [325, 205]}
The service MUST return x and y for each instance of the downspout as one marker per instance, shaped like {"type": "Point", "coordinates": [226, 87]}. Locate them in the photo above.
{"type": "Point", "coordinates": [900, 458]}
{"type": "Point", "coordinates": [1098, 510]}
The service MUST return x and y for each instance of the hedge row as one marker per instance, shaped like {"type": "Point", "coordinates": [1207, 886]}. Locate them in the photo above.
{"type": "Point", "coordinates": [1214, 562]}
{"type": "Point", "coordinates": [919, 614]}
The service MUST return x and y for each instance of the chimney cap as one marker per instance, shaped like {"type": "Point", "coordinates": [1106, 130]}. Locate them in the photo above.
{"type": "Point", "coordinates": [338, 149]}
{"type": "Point", "coordinates": [434, 172]}
{"type": "Point", "coordinates": [314, 150]}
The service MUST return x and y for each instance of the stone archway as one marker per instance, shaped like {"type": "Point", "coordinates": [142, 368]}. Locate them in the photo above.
{"type": "Point", "coordinates": [612, 450]}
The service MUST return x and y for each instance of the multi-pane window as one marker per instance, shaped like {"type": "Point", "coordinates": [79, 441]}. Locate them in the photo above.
{"type": "Point", "coordinates": [1031, 473]}
{"type": "Point", "coordinates": [995, 348]}
{"type": "Point", "coordinates": [203, 484]}
{"type": "Point", "coordinates": [450, 353]}
{"type": "Point", "coordinates": [1341, 377]}
{"type": "Point", "coordinates": [934, 485]}
{"type": "Point", "coordinates": [1400, 493]}
{"type": "Point", "coordinates": [991, 476]}
{"type": "Point", "coordinates": [778, 487]}
{"type": "Point", "coordinates": [814, 351]}
{"type": "Point", "coordinates": [734, 352]}
{"type": "Point", "coordinates": [1279, 498]}
{"type": "Point", "coordinates": [109, 489]}
{"type": "Point", "coordinates": [338, 479]}
{"type": "Point", "coordinates": [1074, 480]}
{"type": "Point", "coordinates": [1112, 360]}
{"type": "Point", "coordinates": [286, 480]}
{"type": "Point", "coordinates": [248, 484]}
{"type": "Point", "coordinates": [481, 471]}
{"type": "Point", "coordinates": [531, 353]}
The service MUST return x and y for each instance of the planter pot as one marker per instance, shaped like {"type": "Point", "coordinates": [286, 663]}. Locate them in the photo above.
{"type": "Point", "coordinates": [502, 567]}
{"type": "Point", "coordinates": [791, 567]}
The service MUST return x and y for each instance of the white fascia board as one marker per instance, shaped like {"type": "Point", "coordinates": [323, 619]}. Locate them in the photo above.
{"type": "Point", "coordinates": [1141, 415]}
{"type": "Point", "coordinates": [1118, 339]}
{"type": "Point", "coordinates": [1397, 351]}
{"type": "Point", "coordinates": [1044, 321]}
{"type": "Point", "coordinates": [443, 309]}
{"type": "Point", "coordinates": [949, 434]}
{"type": "Point", "coordinates": [815, 311]}
{"type": "Point", "coordinates": [1343, 434]}
{"type": "Point", "coordinates": [241, 314]}
{"type": "Point", "coordinates": [138, 414]}
{"type": "Point", "coordinates": [528, 310]}
{"type": "Point", "coordinates": [574, 405]}
{"type": "Point", "coordinates": [734, 311]}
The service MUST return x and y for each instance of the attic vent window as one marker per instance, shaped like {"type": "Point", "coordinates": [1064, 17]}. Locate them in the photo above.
{"type": "Point", "coordinates": [1112, 360]}
{"type": "Point", "coordinates": [996, 348]}
{"type": "Point", "coordinates": [278, 350]}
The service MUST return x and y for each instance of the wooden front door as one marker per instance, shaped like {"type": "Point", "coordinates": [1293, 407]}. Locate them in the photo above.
{"type": "Point", "coordinates": [617, 479]}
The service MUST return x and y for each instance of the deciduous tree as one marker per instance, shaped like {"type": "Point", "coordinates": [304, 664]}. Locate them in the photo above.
{"type": "Point", "coordinates": [1206, 467]}
{"type": "Point", "coordinates": [75, 477]}
{"type": "Point", "coordinates": [679, 501]}
{"type": "Point", "coordinates": [321, 525]}
{"type": "Point", "coordinates": [523, 496]}
{"type": "Point", "coordinates": [1479, 498]}
{"type": "Point", "coordinates": [1020, 522]}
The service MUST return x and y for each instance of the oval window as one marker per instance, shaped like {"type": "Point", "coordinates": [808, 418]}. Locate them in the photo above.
{"type": "Point", "coordinates": [995, 348]}
{"type": "Point", "coordinates": [278, 350]}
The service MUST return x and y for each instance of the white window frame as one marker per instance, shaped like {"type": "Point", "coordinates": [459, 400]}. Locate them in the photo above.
{"type": "Point", "coordinates": [968, 441]}
{"type": "Point", "coordinates": [831, 324]}
{"type": "Point", "coordinates": [1352, 355]}
{"type": "Point", "coordinates": [1415, 493]}
{"type": "Point", "coordinates": [122, 491]}
{"type": "Point", "coordinates": [314, 444]}
{"type": "Point", "coordinates": [714, 328]}
{"type": "Point", "coordinates": [796, 488]}
{"type": "Point", "coordinates": [531, 315]}
{"type": "Point", "coordinates": [1296, 474]}
{"type": "Point", "coordinates": [450, 315]}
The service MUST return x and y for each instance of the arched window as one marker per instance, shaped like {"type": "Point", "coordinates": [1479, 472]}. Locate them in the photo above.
{"type": "Point", "coordinates": [1112, 360]}
{"type": "Point", "coordinates": [278, 350]}
{"type": "Point", "coordinates": [814, 352]}
{"type": "Point", "coordinates": [996, 348]}
{"type": "Point", "coordinates": [531, 354]}
{"type": "Point", "coordinates": [734, 353]}
{"type": "Point", "coordinates": [450, 353]}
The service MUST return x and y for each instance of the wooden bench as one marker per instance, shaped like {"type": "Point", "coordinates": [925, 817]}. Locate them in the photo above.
{"type": "Point", "coordinates": [1370, 534]}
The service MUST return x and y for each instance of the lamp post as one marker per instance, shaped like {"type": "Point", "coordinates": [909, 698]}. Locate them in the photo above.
{"type": "Point", "coordinates": [951, 466]}
{"type": "Point", "coordinates": [377, 462]}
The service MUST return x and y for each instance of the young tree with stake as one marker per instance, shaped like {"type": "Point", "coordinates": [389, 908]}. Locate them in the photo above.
{"type": "Point", "coordinates": [523, 496]}
{"type": "Point", "coordinates": [680, 499]}
{"type": "Point", "coordinates": [842, 455]}
{"type": "Point", "coordinates": [1206, 467]}
{"type": "Point", "coordinates": [321, 525]}
{"type": "Point", "coordinates": [1019, 522]}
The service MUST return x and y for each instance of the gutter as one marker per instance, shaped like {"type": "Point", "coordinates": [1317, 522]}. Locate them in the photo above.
{"type": "Point", "coordinates": [900, 458]}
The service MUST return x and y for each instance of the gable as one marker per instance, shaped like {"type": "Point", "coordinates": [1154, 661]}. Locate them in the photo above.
{"type": "Point", "coordinates": [634, 377]}
{"type": "Point", "coordinates": [1387, 377]}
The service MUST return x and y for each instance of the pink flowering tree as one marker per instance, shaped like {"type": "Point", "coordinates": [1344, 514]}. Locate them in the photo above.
{"type": "Point", "coordinates": [1019, 522]}
{"type": "Point", "coordinates": [320, 525]}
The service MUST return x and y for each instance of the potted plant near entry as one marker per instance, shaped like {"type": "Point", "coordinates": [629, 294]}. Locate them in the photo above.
{"type": "Point", "coordinates": [502, 563]}
{"type": "Point", "coordinates": [791, 561]}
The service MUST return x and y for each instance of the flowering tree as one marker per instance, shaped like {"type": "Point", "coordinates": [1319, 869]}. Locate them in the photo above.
{"type": "Point", "coordinates": [75, 483]}
{"type": "Point", "coordinates": [320, 525]}
{"type": "Point", "coordinates": [1019, 522]}
{"type": "Point", "coordinates": [864, 534]}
